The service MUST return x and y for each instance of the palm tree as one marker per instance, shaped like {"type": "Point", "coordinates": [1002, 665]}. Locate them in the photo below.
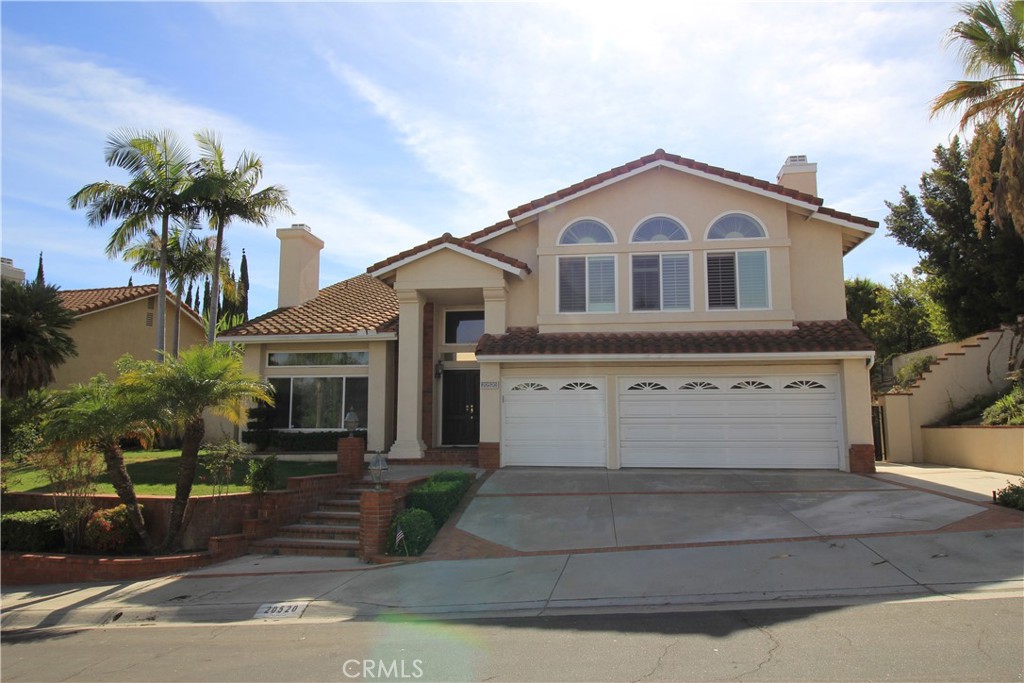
{"type": "Point", "coordinates": [188, 259]}
{"type": "Point", "coordinates": [201, 378]}
{"type": "Point", "coordinates": [225, 194]}
{"type": "Point", "coordinates": [160, 167]}
{"type": "Point", "coordinates": [990, 39]}
{"type": "Point", "coordinates": [33, 336]}
{"type": "Point", "coordinates": [98, 415]}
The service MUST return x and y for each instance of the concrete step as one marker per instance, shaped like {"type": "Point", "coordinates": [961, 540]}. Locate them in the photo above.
{"type": "Point", "coordinates": [330, 517]}
{"type": "Point", "coordinates": [279, 545]}
{"type": "Point", "coordinates": [334, 532]}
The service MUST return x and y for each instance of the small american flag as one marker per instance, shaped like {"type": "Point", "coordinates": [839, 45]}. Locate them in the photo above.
{"type": "Point", "coordinates": [399, 534]}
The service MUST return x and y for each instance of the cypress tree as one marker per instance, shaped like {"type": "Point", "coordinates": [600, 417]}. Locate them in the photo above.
{"type": "Point", "coordinates": [40, 280]}
{"type": "Point", "coordinates": [243, 288]}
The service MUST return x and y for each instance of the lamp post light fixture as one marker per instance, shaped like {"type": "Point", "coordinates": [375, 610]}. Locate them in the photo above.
{"type": "Point", "coordinates": [351, 422]}
{"type": "Point", "coordinates": [378, 469]}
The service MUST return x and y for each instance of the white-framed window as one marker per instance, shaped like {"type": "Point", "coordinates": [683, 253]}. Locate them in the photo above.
{"type": "Point", "coordinates": [660, 229]}
{"type": "Point", "coordinates": [317, 358]}
{"type": "Point", "coordinates": [586, 231]}
{"type": "Point", "coordinates": [318, 402]}
{"type": "Point", "coordinates": [586, 284]}
{"type": "Point", "coordinates": [661, 282]}
{"type": "Point", "coordinates": [736, 226]}
{"type": "Point", "coordinates": [737, 280]}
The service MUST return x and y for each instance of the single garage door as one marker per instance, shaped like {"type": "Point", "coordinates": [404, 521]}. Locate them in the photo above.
{"type": "Point", "coordinates": [761, 421]}
{"type": "Point", "coordinates": [556, 422]}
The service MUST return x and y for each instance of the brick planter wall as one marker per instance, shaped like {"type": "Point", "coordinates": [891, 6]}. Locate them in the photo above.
{"type": "Point", "coordinates": [862, 458]}
{"type": "Point", "coordinates": [490, 455]}
{"type": "Point", "coordinates": [351, 452]}
{"type": "Point", "coordinates": [41, 568]}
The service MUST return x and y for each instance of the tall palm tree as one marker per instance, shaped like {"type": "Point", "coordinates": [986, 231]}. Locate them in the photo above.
{"type": "Point", "coordinates": [98, 415]}
{"type": "Point", "coordinates": [225, 194]}
{"type": "Point", "coordinates": [160, 168]}
{"type": "Point", "coordinates": [188, 259]}
{"type": "Point", "coordinates": [990, 39]}
{"type": "Point", "coordinates": [201, 378]}
{"type": "Point", "coordinates": [33, 336]}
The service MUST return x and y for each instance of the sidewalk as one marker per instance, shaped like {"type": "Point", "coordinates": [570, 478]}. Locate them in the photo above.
{"type": "Point", "coordinates": [983, 559]}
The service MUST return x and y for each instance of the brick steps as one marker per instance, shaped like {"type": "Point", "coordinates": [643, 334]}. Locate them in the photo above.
{"type": "Point", "coordinates": [330, 531]}
{"type": "Point", "coordinates": [280, 545]}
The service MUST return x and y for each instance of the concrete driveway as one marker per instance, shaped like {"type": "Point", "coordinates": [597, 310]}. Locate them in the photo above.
{"type": "Point", "coordinates": [546, 510]}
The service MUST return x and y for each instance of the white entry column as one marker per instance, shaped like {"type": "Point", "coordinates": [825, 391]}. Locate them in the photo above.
{"type": "Point", "coordinates": [409, 437]}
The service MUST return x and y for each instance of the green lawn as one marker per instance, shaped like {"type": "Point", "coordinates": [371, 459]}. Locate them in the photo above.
{"type": "Point", "coordinates": [154, 474]}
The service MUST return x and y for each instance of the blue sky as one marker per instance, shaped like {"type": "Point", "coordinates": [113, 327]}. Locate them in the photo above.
{"type": "Point", "coordinates": [393, 123]}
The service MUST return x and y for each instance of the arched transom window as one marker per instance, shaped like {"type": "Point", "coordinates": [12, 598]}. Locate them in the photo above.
{"type": "Point", "coordinates": [586, 231]}
{"type": "Point", "coordinates": [660, 229]}
{"type": "Point", "coordinates": [735, 226]}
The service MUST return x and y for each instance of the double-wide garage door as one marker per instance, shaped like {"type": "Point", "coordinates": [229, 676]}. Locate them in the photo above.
{"type": "Point", "coordinates": [713, 421]}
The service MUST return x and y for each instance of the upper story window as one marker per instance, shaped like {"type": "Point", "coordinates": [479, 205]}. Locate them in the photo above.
{"type": "Point", "coordinates": [660, 229]}
{"type": "Point", "coordinates": [463, 327]}
{"type": "Point", "coordinates": [737, 280]}
{"type": "Point", "coordinates": [317, 358]}
{"type": "Point", "coordinates": [586, 284]}
{"type": "Point", "coordinates": [586, 231]}
{"type": "Point", "coordinates": [735, 226]}
{"type": "Point", "coordinates": [661, 282]}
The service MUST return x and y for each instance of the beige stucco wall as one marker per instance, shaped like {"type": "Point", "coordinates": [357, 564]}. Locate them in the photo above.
{"type": "Point", "coordinates": [958, 376]}
{"type": "Point", "coordinates": [447, 270]}
{"type": "Point", "coordinates": [996, 449]}
{"type": "Point", "coordinates": [104, 336]}
{"type": "Point", "coordinates": [815, 256]}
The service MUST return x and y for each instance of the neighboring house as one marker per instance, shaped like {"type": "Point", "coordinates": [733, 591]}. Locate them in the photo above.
{"type": "Point", "coordinates": [113, 321]}
{"type": "Point", "coordinates": [665, 313]}
{"type": "Point", "coordinates": [8, 271]}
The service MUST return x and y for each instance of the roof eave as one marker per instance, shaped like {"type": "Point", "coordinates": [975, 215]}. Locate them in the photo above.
{"type": "Point", "coordinates": [299, 338]}
{"type": "Point", "coordinates": [695, 357]}
{"type": "Point", "coordinates": [507, 267]}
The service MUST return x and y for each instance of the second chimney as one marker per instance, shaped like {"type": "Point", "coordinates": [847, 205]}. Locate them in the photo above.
{"type": "Point", "coordinates": [299, 275]}
{"type": "Point", "coordinates": [799, 174]}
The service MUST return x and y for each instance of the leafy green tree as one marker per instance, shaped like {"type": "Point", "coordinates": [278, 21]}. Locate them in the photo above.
{"type": "Point", "coordinates": [160, 168]}
{"type": "Point", "coordinates": [861, 299]}
{"type": "Point", "coordinates": [905, 319]}
{"type": "Point", "coordinates": [201, 378]}
{"type": "Point", "coordinates": [33, 336]}
{"type": "Point", "coordinates": [990, 39]}
{"type": "Point", "coordinates": [976, 278]}
{"type": "Point", "coordinates": [97, 416]}
{"type": "Point", "coordinates": [225, 194]}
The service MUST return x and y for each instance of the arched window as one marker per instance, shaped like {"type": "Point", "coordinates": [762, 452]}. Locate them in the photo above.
{"type": "Point", "coordinates": [586, 231]}
{"type": "Point", "coordinates": [660, 229]}
{"type": "Point", "coordinates": [734, 226]}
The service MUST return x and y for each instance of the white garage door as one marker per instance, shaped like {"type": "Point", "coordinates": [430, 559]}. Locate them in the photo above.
{"type": "Point", "coordinates": [557, 422]}
{"type": "Point", "coordinates": [762, 421]}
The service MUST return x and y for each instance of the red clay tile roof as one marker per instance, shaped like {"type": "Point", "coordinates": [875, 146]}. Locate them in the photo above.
{"type": "Point", "coordinates": [662, 155]}
{"type": "Point", "coordinates": [448, 239]}
{"type": "Point", "coordinates": [490, 230]}
{"type": "Point", "coordinates": [359, 303]}
{"type": "Point", "coordinates": [82, 301]}
{"type": "Point", "coordinates": [806, 337]}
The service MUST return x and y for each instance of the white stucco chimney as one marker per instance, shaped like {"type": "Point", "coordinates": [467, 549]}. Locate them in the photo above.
{"type": "Point", "coordinates": [298, 280]}
{"type": "Point", "coordinates": [799, 174]}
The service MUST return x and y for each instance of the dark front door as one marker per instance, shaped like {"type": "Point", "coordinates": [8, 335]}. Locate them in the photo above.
{"type": "Point", "coordinates": [460, 408]}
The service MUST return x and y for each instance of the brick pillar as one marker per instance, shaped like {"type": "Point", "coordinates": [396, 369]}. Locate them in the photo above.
{"type": "Point", "coordinates": [429, 382]}
{"type": "Point", "coordinates": [489, 455]}
{"type": "Point", "coordinates": [350, 457]}
{"type": "Point", "coordinates": [376, 510]}
{"type": "Point", "coordinates": [862, 458]}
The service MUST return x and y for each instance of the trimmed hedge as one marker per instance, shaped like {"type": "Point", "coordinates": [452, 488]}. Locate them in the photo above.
{"type": "Point", "coordinates": [31, 531]}
{"type": "Point", "coordinates": [440, 494]}
{"type": "Point", "coordinates": [418, 529]}
{"type": "Point", "coordinates": [295, 442]}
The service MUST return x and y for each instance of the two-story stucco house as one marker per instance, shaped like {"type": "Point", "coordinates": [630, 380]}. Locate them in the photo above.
{"type": "Point", "coordinates": [665, 313]}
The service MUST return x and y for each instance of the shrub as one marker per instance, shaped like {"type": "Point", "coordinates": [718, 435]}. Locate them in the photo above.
{"type": "Point", "coordinates": [110, 530]}
{"type": "Point", "coordinates": [912, 371]}
{"type": "Point", "coordinates": [31, 531]}
{"type": "Point", "coordinates": [453, 475]}
{"type": "Point", "coordinates": [440, 496]}
{"type": "Point", "coordinates": [1007, 410]}
{"type": "Point", "coordinates": [295, 442]}
{"type": "Point", "coordinates": [418, 529]}
{"type": "Point", "coordinates": [71, 471]}
{"type": "Point", "coordinates": [219, 460]}
{"type": "Point", "coordinates": [1012, 495]}
{"type": "Point", "coordinates": [261, 475]}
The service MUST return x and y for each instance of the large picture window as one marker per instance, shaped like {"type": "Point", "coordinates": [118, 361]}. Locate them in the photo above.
{"type": "Point", "coordinates": [318, 402]}
{"type": "Point", "coordinates": [661, 282]}
{"type": "Point", "coordinates": [586, 284]}
{"type": "Point", "coordinates": [737, 280]}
